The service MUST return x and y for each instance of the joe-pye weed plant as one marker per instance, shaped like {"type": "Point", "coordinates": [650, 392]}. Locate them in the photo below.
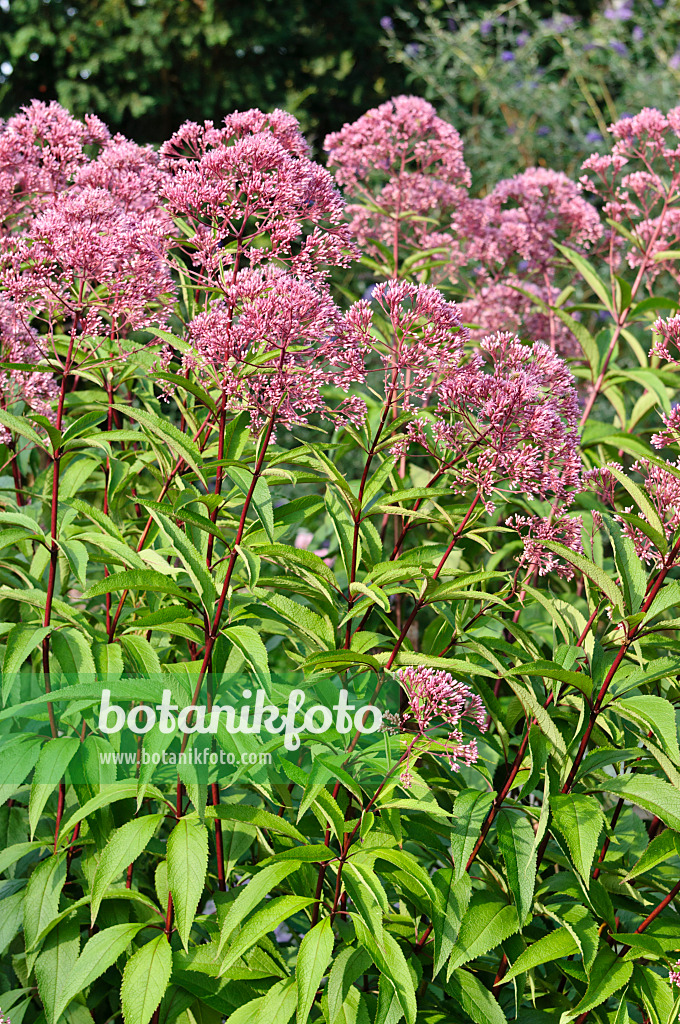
{"type": "Point", "coordinates": [228, 477]}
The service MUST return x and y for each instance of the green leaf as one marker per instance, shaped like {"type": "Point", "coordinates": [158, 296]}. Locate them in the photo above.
{"type": "Point", "coordinates": [593, 572]}
{"type": "Point", "coordinates": [187, 866]}
{"type": "Point", "coordinates": [21, 642]}
{"type": "Point", "coordinates": [580, 820]}
{"type": "Point", "coordinates": [389, 959]}
{"type": "Point", "coordinates": [136, 579]}
{"type": "Point", "coordinates": [449, 914]}
{"type": "Point", "coordinates": [145, 979]}
{"type": "Point", "coordinates": [488, 922]}
{"type": "Point", "coordinates": [631, 569]}
{"type": "Point", "coordinates": [179, 443]}
{"type": "Point", "coordinates": [607, 976]}
{"type": "Point", "coordinates": [314, 956]}
{"type": "Point", "coordinates": [262, 922]}
{"type": "Point", "coordinates": [657, 715]}
{"type": "Point", "coordinates": [589, 275]}
{"type": "Point", "coordinates": [261, 499]}
{"type": "Point", "coordinates": [190, 557]}
{"type": "Point", "coordinates": [516, 843]}
{"type": "Point", "coordinates": [99, 954]}
{"type": "Point", "coordinates": [259, 886]}
{"type": "Point", "coordinates": [469, 812]}
{"type": "Point", "coordinates": [476, 1000]}
{"type": "Point", "coordinates": [53, 761]}
{"type": "Point", "coordinates": [122, 848]}
{"type": "Point", "coordinates": [19, 426]}
{"type": "Point", "coordinates": [555, 946]}
{"type": "Point", "coordinates": [42, 896]}
{"type": "Point", "coordinates": [661, 848]}
{"type": "Point", "coordinates": [661, 798]}
{"type": "Point", "coordinates": [17, 757]}
{"type": "Point", "coordinates": [251, 646]}
{"type": "Point", "coordinates": [54, 967]}
{"type": "Point", "coordinates": [73, 652]}
{"type": "Point", "coordinates": [257, 817]}
{"type": "Point", "coordinates": [348, 965]}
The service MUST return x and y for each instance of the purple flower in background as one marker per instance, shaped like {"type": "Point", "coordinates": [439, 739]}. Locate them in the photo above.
{"type": "Point", "coordinates": [619, 47]}
{"type": "Point", "coordinates": [386, 23]}
{"type": "Point", "coordinates": [412, 49]}
{"type": "Point", "coordinates": [593, 136]}
{"type": "Point", "coordinates": [451, 25]}
{"type": "Point", "coordinates": [282, 934]}
{"type": "Point", "coordinates": [522, 266]}
{"type": "Point", "coordinates": [485, 28]}
{"type": "Point", "coordinates": [674, 62]}
{"type": "Point", "coordinates": [622, 13]}
{"type": "Point", "coordinates": [658, 3]}
{"type": "Point", "coordinates": [638, 34]}
{"type": "Point", "coordinates": [522, 38]}
{"type": "Point", "coordinates": [543, 129]}
{"type": "Point", "coordinates": [507, 55]}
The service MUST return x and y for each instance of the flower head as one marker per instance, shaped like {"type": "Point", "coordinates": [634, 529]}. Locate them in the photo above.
{"type": "Point", "coordinates": [535, 530]}
{"type": "Point", "coordinates": [438, 701]}
{"type": "Point", "coordinates": [507, 421]}
{"type": "Point", "coordinates": [402, 167]}
{"type": "Point", "coordinates": [272, 343]}
{"type": "Point", "coordinates": [250, 194]}
{"type": "Point", "coordinates": [41, 149]}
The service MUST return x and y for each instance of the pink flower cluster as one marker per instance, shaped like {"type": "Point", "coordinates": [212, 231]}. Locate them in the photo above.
{"type": "Point", "coordinates": [639, 185]}
{"type": "Point", "coordinates": [436, 700]}
{"type": "Point", "coordinates": [418, 335]}
{"type": "Point", "coordinates": [20, 344]}
{"type": "Point", "coordinates": [41, 150]}
{"type": "Point", "coordinates": [662, 487]}
{"type": "Point", "coordinates": [674, 976]}
{"type": "Point", "coordinates": [403, 168]}
{"type": "Point", "coordinates": [666, 343]}
{"type": "Point", "coordinates": [537, 529]}
{"type": "Point", "coordinates": [249, 194]}
{"type": "Point", "coordinates": [272, 343]}
{"type": "Point", "coordinates": [506, 421]}
{"type": "Point", "coordinates": [84, 242]}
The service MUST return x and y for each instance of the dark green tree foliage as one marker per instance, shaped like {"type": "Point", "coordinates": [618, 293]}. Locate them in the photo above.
{"type": "Point", "coordinates": [147, 66]}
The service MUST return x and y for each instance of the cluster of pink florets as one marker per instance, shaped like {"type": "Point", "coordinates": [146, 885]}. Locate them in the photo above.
{"type": "Point", "coordinates": [535, 530]}
{"type": "Point", "coordinates": [639, 185]}
{"type": "Point", "coordinates": [507, 420]}
{"type": "Point", "coordinates": [436, 700]}
{"type": "Point", "coordinates": [661, 485]}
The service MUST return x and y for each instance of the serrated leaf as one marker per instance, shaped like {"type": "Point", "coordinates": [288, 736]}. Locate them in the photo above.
{"type": "Point", "coordinates": [182, 445]}
{"type": "Point", "coordinates": [145, 979]}
{"type": "Point", "coordinates": [102, 950]}
{"type": "Point", "coordinates": [580, 820]}
{"type": "Point", "coordinates": [21, 642]}
{"type": "Point", "coordinates": [53, 761]}
{"type": "Point", "coordinates": [262, 922]}
{"type": "Point", "coordinates": [187, 866]}
{"type": "Point", "coordinates": [476, 1000]}
{"type": "Point", "coordinates": [516, 843]}
{"type": "Point", "coordinates": [554, 946]}
{"type": "Point", "coordinates": [655, 795]}
{"type": "Point", "coordinates": [314, 955]}
{"type": "Point", "coordinates": [607, 976]}
{"type": "Point", "coordinates": [389, 959]}
{"type": "Point", "coordinates": [488, 922]}
{"type": "Point", "coordinates": [259, 886]}
{"type": "Point", "coordinates": [469, 811]}
{"type": "Point", "coordinates": [122, 848]}
{"type": "Point", "coordinates": [54, 967]}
